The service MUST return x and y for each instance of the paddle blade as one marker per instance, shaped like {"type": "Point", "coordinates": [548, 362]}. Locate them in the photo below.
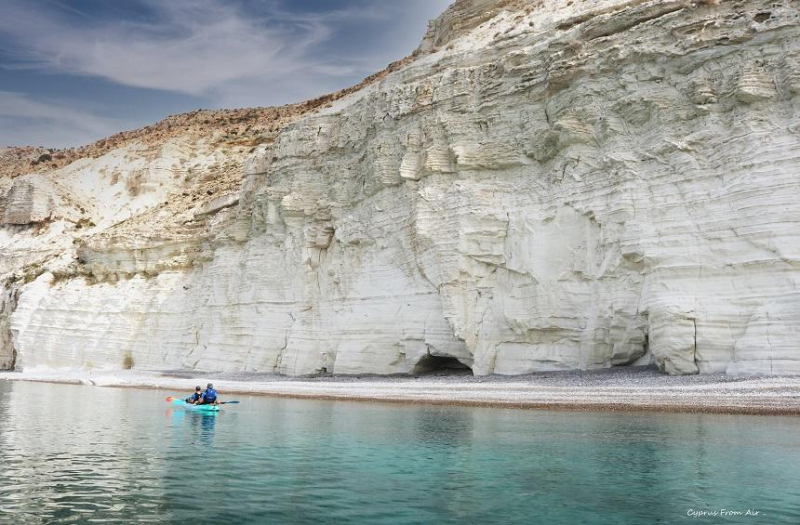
{"type": "Point", "coordinates": [229, 403]}
{"type": "Point", "coordinates": [170, 399]}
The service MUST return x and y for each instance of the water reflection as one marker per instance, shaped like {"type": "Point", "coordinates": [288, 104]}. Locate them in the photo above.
{"type": "Point", "coordinates": [73, 454]}
{"type": "Point", "coordinates": [193, 428]}
{"type": "Point", "coordinates": [76, 454]}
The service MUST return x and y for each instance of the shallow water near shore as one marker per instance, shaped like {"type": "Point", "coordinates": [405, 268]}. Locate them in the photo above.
{"type": "Point", "coordinates": [78, 454]}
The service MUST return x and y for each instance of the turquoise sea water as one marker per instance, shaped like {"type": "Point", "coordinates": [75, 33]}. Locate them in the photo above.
{"type": "Point", "coordinates": [72, 454]}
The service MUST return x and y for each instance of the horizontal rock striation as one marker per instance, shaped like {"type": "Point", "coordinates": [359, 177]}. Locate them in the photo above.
{"type": "Point", "coordinates": [547, 186]}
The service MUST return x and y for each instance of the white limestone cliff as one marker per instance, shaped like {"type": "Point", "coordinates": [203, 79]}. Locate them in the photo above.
{"type": "Point", "coordinates": [546, 186]}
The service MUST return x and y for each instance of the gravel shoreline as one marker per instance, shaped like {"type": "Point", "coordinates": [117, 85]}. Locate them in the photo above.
{"type": "Point", "coordinates": [608, 376]}
{"type": "Point", "coordinates": [618, 389]}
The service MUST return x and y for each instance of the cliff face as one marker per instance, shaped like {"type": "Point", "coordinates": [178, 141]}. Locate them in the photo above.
{"type": "Point", "coordinates": [549, 185]}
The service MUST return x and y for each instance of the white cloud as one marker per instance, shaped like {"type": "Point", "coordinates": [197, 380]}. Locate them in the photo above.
{"type": "Point", "coordinates": [207, 49]}
{"type": "Point", "coordinates": [24, 121]}
{"type": "Point", "coordinates": [193, 46]}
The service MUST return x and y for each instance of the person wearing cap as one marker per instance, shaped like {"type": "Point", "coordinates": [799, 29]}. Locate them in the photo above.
{"type": "Point", "coordinates": [195, 398]}
{"type": "Point", "coordinates": [209, 397]}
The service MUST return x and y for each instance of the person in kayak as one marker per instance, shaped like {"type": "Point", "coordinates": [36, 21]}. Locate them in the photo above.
{"type": "Point", "coordinates": [209, 397]}
{"type": "Point", "coordinates": [194, 398]}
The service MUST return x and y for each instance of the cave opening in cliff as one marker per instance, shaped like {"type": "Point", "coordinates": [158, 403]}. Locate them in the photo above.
{"type": "Point", "coordinates": [439, 365]}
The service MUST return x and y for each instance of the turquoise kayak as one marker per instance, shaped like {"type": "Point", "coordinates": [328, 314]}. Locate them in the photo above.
{"type": "Point", "coordinates": [197, 408]}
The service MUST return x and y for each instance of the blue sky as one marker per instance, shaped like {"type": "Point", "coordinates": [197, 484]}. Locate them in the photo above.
{"type": "Point", "coordinates": [73, 71]}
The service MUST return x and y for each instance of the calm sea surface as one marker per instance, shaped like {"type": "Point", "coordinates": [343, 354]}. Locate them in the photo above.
{"type": "Point", "coordinates": [72, 454]}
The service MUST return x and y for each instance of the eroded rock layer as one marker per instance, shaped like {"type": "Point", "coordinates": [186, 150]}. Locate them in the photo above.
{"type": "Point", "coordinates": [547, 186]}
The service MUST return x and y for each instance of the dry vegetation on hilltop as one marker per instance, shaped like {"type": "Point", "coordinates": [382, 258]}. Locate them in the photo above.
{"type": "Point", "coordinates": [234, 127]}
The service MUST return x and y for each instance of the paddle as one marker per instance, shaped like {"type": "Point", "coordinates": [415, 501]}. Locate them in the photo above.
{"type": "Point", "coordinates": [171, 399]}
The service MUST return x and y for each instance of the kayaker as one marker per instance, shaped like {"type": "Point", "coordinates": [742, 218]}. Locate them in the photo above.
{"type": "Point", "coordinates": [194, 398]}
{"type": "Point", "coordinates": [209, 397]}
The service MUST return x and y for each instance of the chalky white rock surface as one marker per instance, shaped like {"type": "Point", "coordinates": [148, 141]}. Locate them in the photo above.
{"type": "Point", "coordinates": [549, 185]}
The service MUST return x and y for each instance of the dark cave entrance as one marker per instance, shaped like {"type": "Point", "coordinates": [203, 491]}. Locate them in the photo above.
{"type": "Point", "coordinates": [437, 365]}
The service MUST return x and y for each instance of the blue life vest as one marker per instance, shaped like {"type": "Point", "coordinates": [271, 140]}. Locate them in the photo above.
{"type": "Point", "coordinates": [210, 395]}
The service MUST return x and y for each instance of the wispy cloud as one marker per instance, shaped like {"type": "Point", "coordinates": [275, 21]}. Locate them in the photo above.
{"type": "Point", "coordinates": [29, 122]}
{"type": "Point", "coordinates": [189, 46]}
{"type": "Point", "coordinates": [226, 53]}
{"type": "Point", "coordinates": [193, 46]}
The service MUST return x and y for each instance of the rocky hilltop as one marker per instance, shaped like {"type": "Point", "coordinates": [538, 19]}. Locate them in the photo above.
{"type": "Point", "coordinates": [544, 185]}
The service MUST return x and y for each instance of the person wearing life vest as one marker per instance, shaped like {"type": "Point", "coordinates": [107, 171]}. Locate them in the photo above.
{"type": "Point", "coordinates": [209, 397]}
{"type": "Point", "coordinates": [195, 398]}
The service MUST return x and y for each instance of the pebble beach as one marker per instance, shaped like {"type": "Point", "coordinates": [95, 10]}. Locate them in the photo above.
{"type": "Point", "coordinates": [628, 389]}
